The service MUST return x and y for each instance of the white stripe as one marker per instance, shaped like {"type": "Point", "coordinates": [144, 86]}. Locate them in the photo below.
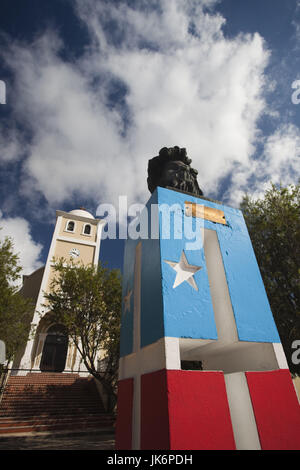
{"type": "Point", "coordinates": [241, 411]}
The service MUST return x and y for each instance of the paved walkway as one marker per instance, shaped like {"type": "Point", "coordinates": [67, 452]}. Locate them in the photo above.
{"type": "Point", "coordinates": [101, 440]}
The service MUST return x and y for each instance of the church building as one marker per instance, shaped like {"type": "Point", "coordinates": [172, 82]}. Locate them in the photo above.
{"type": "Point", "coordinates": [76, 238]}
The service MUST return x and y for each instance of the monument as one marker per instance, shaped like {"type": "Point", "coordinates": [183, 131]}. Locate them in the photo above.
{"type": "Point", "coordinates": [198, 301]}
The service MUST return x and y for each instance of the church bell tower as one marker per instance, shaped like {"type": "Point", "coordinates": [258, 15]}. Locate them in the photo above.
{"type": "Point", "coordinates": [76, 238]}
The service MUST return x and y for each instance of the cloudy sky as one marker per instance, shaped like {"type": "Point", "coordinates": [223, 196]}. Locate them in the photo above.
{"type": "Point", "coordinates": [94, 88]}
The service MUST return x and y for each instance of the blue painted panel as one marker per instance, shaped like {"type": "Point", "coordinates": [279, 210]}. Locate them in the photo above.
{"type": "Point", "coordinates": [126, 333]}
{"type": "Point", "coordinates": [249, 300]}
{"type": "Point", "coordinates": [188, 313]}
{"type": "Point", "coordinates": [253, 316]}
{"type": "Point", "coordinates": [151, 320]}
{"type": "Point", "coordinates": [152, 325]}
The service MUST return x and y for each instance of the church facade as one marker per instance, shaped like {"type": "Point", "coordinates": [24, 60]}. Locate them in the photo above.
{"type": "Point", "coordinates": [76, 237]}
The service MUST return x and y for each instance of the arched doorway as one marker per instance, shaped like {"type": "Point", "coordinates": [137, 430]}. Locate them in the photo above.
{"type": "Point", "coordinates": [55, 350]}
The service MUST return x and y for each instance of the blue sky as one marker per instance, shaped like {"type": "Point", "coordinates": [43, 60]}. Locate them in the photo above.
{"type": "Point", "coordinates": [96, 88]}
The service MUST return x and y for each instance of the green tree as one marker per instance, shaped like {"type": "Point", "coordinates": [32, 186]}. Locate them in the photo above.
{"type": "Point", "coordinates": [87, 301]}
{"type": "Point", "coordinates": [15, 310]}
{"type": "Point", "coordinates": [274, 227]}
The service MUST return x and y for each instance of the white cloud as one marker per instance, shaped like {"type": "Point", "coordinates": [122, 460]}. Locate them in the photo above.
{"type": "Point", "coordinates": [282, 156]}
{"type": "Point", "coordinates": [186, 84]}
{"type": "Point", "coordinates": [279, 164]}
{"type": "Point", "coordinates": [296, 24]}
{"type": "Point", "coordinates": [28, 250]}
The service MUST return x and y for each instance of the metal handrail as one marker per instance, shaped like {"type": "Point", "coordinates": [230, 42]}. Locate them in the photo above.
{"type": "Point", "coordinates": [3, 381]}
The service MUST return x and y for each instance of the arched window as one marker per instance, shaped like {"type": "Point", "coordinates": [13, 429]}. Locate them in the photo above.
{"type": "Point", "coordinates": [70, 226]}
{"type": "Point", "coordinates": [87, 229]}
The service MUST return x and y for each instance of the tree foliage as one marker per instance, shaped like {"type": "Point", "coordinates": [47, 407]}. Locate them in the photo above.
{"type": "Point", "coordinates": [274, 227]}
{"type": "Point", "coordinates": [15, 310]}
{"type": "Point", "coordinates": [87, 301]}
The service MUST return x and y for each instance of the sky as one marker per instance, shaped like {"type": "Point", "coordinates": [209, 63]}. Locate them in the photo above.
{"type": "Point", "coordinates": [95, 88]}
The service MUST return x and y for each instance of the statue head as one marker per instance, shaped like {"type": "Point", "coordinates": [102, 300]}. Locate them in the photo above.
{"type": "Point", "coordinates": [171, 168]}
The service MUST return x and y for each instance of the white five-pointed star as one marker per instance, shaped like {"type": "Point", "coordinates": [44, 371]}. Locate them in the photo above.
{"type": "Point", "coordinates": [127, 301]}
{"type": "Point", "coordinates": [185, 271]}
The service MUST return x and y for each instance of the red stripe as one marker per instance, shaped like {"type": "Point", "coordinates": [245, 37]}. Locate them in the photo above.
{"type": "Point", "coordinates": [276, 409]}
{"type": "Point", "coordinates": [185, 410]}
{"type": "Point", "coordinates": [124, 415]}
{"type": "Point", "coordinates": [154, 411]}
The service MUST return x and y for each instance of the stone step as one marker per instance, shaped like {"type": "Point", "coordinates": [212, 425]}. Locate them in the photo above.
{"type": "Point", "coordinates": [13, 398]}
{"type": "Point", "coordinates": [53, 413]}
{"type": "Point", "coordinates": [11, 422]}
{"type": "Point", "coordinates": [48, 382]}
{"type": "Point", "coordinates": [49, 401]}
{"type": "Point", "coordinates": [48, 394]}
{"type": "Point", "coordinates": [50, 412]}
{"type": "Point", "coordinates": [34, 408]}
{"type": "Point", "coordinates": [83, 402]}
{"type": "Point", "coordinates": [46, 376]}
{"type": "Point", "coordinates": [27, 417]}
{"type": "Point", "coordinates": [49, 388]}
{"type": "Point", "coordinates": [53, 384]}
{"type": "Point", "coordinates": [50, 427]}
{"type": "Point", "coordinates": [35, 399]}
{"type": "Point", "coordinates": [45, 380]}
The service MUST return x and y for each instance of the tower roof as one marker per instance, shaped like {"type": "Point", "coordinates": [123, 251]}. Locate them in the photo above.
{"type": "Point", "coordinates": [82, 213]}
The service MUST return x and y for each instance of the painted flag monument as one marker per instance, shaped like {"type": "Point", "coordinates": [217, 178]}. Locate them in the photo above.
{"type": "Point", "coordinates": [192, 291]}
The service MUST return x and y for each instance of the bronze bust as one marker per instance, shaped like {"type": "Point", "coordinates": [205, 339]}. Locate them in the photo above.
{"type": "Point", "coordinates": [171, 169]}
